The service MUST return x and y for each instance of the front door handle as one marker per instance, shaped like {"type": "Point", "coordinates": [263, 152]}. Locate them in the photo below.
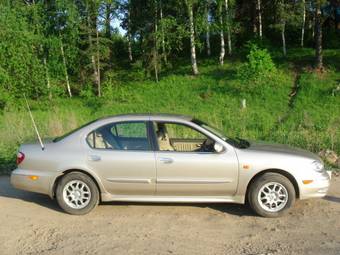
{"type": "Point", "coordinates": [166, 160]}
{"type": "Point", "coordinates": [94, 158]}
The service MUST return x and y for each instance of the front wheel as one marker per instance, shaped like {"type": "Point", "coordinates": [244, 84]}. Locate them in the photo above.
{"type": "Point", "coordinates": [271, 195]}
{"type": "Point", "coordinates": [77, 193]}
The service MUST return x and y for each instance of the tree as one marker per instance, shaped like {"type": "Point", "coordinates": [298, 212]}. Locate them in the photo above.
{"type": "Point", "coordinates": [207, 35]}
{"type": "Point", "coordinates": [318, 36]}
{"type": "Point", "coordinates": [259, 17]}
{"type": "Point", "coordinates": [64, 65]}
{"type": "Point", "coordinates": [129, 38]}
{"type": "Point", "coordinates": [228, 21]}
{"type": "Point", "coordinates": [282, 13]}
{"type": "Point", "coordinates": [189, 5]}
{"type": "Point", "coordinates": [287, 13]}
{"type": "Point", "coordinates": [220, 18]}
{"type": "Point", "coordinates": [21, 68]}
{"type": "Point", "coordinates": [303, 22]}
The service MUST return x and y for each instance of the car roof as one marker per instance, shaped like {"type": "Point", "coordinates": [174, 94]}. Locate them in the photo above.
{"type": "Point", "coordinates": [152, 116]}
{"type": "Point", "coordinates": [124, 117]}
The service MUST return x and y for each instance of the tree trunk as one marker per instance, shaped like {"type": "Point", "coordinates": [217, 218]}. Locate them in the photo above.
{"type": "Point", "coordinates": [259, 13]}
{"type": "Point", "coordinates": [207, 38]}
{"type": "Point", "coordinates": [208, 41]}
{"type": "Point", "coordinates": [98, 65]}
{"type": "Point", "coordinates": [318, 36]}
{"type": "Point", "coordinates": [192, 39]}
{"type": "Point", "coordinates": [93, 59]}
{"type": "Point", "coordinates": [222, 51]}
{"type": "Point", "coordinates": [129, 34]}
{"type": "Point", "coordinates": [255, 18]}
{"type": "Point", "coordinates": [303, 22]}
{"type": "Point", "coordinates": [313, 26]}
{"type": "Point", "coordinates": [165, 58]}
{"type": "Point", "coordinates": [155, 54]}
{"type": "Point", "coordinates": [65, 67]}
{"type": "Point", "coordinates": [47, 75]}
{"type": "Point", "coordinates": [108, 20]}
{"type": "Point", "coordinates": [228, 27]}
{"type": "Point", "coordinates": [283, 36]}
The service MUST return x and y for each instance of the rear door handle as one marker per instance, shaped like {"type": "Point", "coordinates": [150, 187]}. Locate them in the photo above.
{"type": "Point", "coordinates": [166, 160]}
{"type": "Point", "coordinates": [94, 158]}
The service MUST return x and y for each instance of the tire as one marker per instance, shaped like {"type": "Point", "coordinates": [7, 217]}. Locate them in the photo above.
{"type": "Point", "coordinates": [268, 200]}
{"type": "Point", "coordinates": [77, 193]}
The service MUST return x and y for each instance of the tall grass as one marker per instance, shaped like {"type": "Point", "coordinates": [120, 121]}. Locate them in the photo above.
{"type": "Point", "coordinates": [214, 96]}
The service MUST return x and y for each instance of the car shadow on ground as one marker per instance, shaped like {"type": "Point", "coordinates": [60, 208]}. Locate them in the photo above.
{"type": "Point", "coordinates": [332, 199]}
{"type": "Point", "coordinates": [8, 191]}
{"type": "Point", "coordinates": [228, 208]}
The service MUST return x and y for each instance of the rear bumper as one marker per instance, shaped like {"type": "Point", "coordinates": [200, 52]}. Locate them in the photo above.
{"type": "Point", "coordinates": [318, 188]}
{"type": "Point", "coordinates": [20, 179]}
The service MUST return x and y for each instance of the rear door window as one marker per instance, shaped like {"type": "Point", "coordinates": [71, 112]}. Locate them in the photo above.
{"type": "Point", "coordinates": [121, 136]}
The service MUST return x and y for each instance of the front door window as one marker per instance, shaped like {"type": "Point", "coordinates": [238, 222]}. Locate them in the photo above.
{"type": "Point", "coordinates": [181, 138]}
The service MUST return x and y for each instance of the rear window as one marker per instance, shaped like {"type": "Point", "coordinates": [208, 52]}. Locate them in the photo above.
{"type": "Point", "coordinates": [57, 139]}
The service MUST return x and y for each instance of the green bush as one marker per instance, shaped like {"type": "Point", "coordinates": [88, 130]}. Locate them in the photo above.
{"type": "Point", "coordinates": [259, 68]}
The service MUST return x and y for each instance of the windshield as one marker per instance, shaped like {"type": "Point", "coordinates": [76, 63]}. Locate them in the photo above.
{"type": "Point", "coordinates": [236, 142]}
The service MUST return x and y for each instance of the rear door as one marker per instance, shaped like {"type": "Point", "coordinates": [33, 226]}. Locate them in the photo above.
{"type": "Point", "coordinates": [121, 154]}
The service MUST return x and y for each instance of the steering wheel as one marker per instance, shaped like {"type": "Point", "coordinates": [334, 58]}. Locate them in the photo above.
{"type": "Point", "coordinates": [207, 145]}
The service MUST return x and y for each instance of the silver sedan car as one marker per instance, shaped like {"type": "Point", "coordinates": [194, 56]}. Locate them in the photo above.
{"type": "Point", "coordinates": [167, 158]}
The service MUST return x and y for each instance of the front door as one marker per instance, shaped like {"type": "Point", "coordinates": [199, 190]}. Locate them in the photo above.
{"type": "Point", "coordinates": [122, 156]}
{"type": "Point", "coordinates": [187, 164]}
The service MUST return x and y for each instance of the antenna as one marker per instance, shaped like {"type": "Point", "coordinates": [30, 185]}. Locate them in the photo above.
{"type": "Point", "coordinates": [34, 125]}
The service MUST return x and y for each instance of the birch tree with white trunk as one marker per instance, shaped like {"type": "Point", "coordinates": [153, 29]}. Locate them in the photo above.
{"type": "Point", "coordinates": [189, 5]}
{"type": "Point", "coordinates": [220, 18]}
{"type": "Point", "coordinates": [96, 69]}
{"type": "Point", "coordinates": [227, 13]}
{"type": "Point", "coordinates": [259, 17]}
{"type": "Point", "coordinates": [65, 66]}
{"type": "Point", "coordinates": [283, 36]}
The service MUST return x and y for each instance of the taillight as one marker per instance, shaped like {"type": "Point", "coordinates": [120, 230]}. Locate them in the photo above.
{"type": "Point", "coordinates": [20, 157]}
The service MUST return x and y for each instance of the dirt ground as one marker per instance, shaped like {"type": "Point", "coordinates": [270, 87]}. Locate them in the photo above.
{"type": "Point", "coordinates": [33, 224]}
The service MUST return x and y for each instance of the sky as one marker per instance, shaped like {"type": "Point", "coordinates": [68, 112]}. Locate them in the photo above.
{"type": "Point", "coordinates": [115, 23]}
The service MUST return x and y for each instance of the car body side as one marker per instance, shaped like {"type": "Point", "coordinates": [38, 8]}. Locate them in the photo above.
{"type": "Point", "coordinates": [72, 152]}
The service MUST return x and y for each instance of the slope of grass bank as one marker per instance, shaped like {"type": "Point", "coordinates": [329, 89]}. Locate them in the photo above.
{"type": "Point", "coordinates": [214, 96]}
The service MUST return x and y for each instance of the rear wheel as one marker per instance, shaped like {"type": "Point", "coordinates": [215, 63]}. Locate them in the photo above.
{"type": "Point", "coordinates": [77, 193]}
{"type": "Point", "coordinates": [271, 195]}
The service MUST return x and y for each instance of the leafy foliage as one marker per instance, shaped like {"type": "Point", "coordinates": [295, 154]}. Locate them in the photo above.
{"type": "Point", "coordinates": [258, 69]}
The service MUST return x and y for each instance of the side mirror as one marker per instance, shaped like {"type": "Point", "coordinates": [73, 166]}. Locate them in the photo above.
{"type": "Point", "coordinates": [218, 147]}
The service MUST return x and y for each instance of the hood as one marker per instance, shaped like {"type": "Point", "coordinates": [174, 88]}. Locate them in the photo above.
{"type": "Point", "coordinates": [281, 149]}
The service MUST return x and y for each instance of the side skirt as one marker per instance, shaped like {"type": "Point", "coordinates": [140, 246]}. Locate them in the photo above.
{"type": "Point", "coordinates": [169, 199]}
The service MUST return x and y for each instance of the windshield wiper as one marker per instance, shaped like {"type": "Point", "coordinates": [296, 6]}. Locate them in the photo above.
{"type": "Point", "coordinates": [243, 143]}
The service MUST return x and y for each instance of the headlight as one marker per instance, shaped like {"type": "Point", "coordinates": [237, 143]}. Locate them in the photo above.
{"type": "Point", "coordinates": [318, 166]}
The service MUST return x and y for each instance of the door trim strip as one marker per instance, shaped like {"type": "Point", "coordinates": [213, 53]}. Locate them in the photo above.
{"type": "Point", "coordinates": [128, 180]}
{"type": "Point", "coordinates": [193, 181]}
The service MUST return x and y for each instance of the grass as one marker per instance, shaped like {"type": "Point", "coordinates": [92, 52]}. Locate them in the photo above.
{"type": "Point", "coordinates": [311, 122]}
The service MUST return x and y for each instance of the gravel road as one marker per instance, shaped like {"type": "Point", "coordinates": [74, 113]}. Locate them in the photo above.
{"type": "Point", "coordinates": [33, 224]}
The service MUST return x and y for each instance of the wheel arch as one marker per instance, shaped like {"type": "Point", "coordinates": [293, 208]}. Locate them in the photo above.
{"type": "Point", "coordinates": [285, 173]}
{"type": "Point", "coordinates": [65, 172]}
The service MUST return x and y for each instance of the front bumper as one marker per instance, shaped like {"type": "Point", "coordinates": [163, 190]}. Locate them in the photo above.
{"type": "Point", "coordinates": [318, 188]}
{"type": "Point", "coordinates": [43, 183]}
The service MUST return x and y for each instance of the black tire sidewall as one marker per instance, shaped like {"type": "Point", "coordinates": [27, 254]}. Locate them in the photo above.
{"type": "Point", "coordinates": [89, 182]}
{"type": "Point", "coordinates": [258, 184]}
